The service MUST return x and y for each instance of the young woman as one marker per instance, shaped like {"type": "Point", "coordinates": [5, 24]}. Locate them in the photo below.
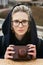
{"type": "Point", "coordinates": [19, 29]}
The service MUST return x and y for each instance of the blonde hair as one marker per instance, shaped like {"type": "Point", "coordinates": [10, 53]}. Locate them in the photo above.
{"type": "Point", "coordinates": [23, 8]}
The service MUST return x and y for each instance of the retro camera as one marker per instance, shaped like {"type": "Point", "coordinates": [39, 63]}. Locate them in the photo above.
{"type": "Point", "coordinates": [21, 53]}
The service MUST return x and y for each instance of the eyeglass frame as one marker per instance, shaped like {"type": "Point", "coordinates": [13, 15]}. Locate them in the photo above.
{"type": "Point", "coordinates": [23, 22]}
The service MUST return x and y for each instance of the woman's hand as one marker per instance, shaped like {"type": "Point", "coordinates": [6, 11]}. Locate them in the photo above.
{"type": "Point", "coordinates": [9, 52]}
{"type": "Point", "coordinates": [32, 50]}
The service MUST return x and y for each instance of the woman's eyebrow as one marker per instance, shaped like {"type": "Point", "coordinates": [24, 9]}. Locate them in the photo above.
{"type": "Point", "coordinates": [21, 20]}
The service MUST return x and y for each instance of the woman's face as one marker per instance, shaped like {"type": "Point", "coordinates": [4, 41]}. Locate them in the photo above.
{"type": "Point", "coordinates": [20, 23]}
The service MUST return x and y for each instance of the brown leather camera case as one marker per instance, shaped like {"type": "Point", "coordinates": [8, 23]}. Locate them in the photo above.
{"type": "Point", "coordinates": [21, 53]}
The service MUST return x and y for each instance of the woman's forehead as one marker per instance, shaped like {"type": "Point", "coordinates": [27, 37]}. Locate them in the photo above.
{"type": "Point", "coordinates": [20, 15]}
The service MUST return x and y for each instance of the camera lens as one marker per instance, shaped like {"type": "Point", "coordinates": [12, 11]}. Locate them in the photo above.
{"type": "Point", "coordinates": [22, 53]}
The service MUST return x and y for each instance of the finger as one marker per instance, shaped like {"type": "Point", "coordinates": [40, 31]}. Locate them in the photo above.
{"type": "Point", "coordinates": [32, 46]}
{"type": "Point", "coordinates": [11, 45]}
{"type": "Point", "coordinates": [30, 53]}
{"type": "Point", "coordinates": [32, 50]}
{"type": "Point", "coordinates": [9, 57]}
{"type": "Point", "coordinates": [10, 52]}
{"type": "Point", "coordinates": [28, 44]}
{"type": "Point", "coordinates": [10, 49]}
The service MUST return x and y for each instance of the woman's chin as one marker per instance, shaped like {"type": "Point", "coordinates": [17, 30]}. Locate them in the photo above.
{"type": "Point", "coordinates": [21, 34]}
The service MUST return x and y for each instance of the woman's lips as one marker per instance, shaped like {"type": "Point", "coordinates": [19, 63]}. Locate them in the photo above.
{"type": "Point", "coordinates": [20, 30]}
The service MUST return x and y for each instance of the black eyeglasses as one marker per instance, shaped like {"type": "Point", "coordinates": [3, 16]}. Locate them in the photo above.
{"type": "Point", "coordinates": [23, 22]}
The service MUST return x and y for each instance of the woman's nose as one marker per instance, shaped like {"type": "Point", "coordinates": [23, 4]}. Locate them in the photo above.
{"type": "Point", "coordinates": [20, 25]}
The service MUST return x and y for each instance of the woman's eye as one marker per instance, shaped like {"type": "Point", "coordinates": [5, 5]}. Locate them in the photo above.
{"type": "Point", "coordinates": [16, 21]}
{"type": "Point", "coordinates": [24, 21]}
